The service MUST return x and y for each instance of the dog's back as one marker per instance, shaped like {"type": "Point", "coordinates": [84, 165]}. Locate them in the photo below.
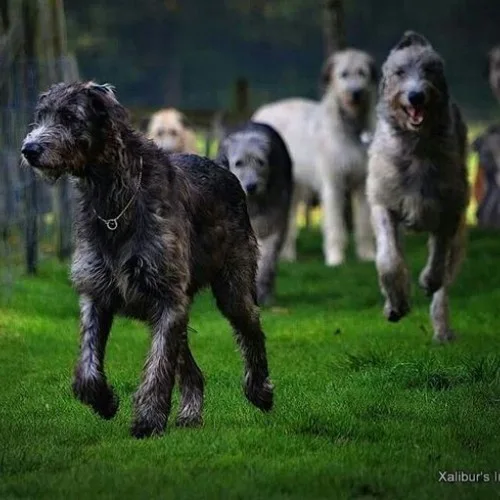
{"type": "Point", "coordinates": [293, 119]}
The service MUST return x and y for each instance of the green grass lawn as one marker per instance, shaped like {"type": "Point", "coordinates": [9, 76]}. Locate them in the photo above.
{"type": "Point", "coordinates": [363, 408]}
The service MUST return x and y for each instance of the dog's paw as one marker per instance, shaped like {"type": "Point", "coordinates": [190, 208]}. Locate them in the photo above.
{"type": "Point", "coordinates": [143, 428]}
{"type": "Point", "coordinates": [444, 337]}
{"type": "Point", "coordinates": [430, 281]}
{"type": "Point", "coordinates": [260, 395]}
{"type": "Point", "coordinates": [395, 311]}
{"type": "Point", "coordinates": [188, 420]}
{"type": "Point", "coordinates": [334, 258]}
{"type": "Point", "coordinates": [264, 297]}
{"type": "Point", "coordinates": [98, 395]}
{"type": "Point", "coordinates": [288, 255]}
{"type": "Point", "coordinates": [366, 254]}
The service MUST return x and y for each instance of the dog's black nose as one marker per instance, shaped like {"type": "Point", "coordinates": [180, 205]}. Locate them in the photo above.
{"type": "Point", "coordinates": [416, 98]}
{"type": "Point", "coordinates": [251, 187]}
{"type": "Point", "coordinates": [356, 95]}
{"type": "Point", "coordinates": [32, 151]}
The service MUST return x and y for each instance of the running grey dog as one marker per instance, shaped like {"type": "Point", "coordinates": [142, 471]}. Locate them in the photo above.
{"type": "Point", "coordinates": [327, 142]}
{"type": "Point", "coordinates": [417, 177]}
{"type": "Point", "coordinates": [257, 155]}
{"type": "Point", "coordinates": [151, 229]}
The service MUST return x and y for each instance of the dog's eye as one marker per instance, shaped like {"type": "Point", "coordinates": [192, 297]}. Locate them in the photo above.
{"type": "Point", "coordinates": [400, 72]}
{"type": "Point", "coordinates": [344, 74]}
{"type": "Point", "coordinates": [361, 73]}
{"type": "Point", "coordinates": [260, 162]}
{"type": "Point", "coordinates": [160, 132]}
{"type": "Point", "coordinates": [68, 116]}
{"type": "Point", "coordinates": [173, 132]}
{"type": "Point", "coordinates": [238, 163]}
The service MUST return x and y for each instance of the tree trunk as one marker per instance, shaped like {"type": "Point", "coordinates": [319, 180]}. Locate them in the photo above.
{"type": "Point", "coordinates": [334, 40]}
{"type": "Point", "coordinates": [333, 26]}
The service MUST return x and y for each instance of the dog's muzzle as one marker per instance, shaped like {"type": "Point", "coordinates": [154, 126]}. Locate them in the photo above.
{"type": "Point", "coordinates": [32, 152]}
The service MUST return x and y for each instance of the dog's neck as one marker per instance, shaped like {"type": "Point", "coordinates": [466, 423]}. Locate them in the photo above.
{"type": "Point", "coordinates": [354, 124]}
{"type": "Point", "coordinates": [112, 186]}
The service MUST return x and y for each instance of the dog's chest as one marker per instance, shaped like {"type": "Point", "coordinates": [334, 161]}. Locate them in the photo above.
{"type": "Point", "coordinates": [125, 279]}
{"type": "Point", "coordinates": [421, 195]}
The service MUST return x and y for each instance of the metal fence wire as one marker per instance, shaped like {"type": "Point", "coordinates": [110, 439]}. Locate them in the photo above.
{"type": "Point", "coordinates": [35, 218]}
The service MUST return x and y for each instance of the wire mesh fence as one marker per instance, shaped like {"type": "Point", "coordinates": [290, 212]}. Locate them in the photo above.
{"type": "Point", "coordinates": [35, 218]}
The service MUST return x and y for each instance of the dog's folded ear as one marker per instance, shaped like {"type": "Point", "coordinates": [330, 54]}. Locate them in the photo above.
{"type": "Point", "coordinates": [477, 144]}
{"type": "Point", "coordinates": [326, 74]}
{"type": "Point", "coordinates": [412, 38]}
{"type": "Point", "coordinates": [184, 120]}
{"type": "Point", "coordinates": [105, 90]}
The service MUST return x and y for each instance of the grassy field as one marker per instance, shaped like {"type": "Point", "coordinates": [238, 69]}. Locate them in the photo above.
{"type": "Point", "coordinates": [363, 408]}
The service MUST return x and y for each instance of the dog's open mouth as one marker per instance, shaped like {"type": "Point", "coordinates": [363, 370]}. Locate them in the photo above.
{"type": "Point", "coordinates": [415, 115]}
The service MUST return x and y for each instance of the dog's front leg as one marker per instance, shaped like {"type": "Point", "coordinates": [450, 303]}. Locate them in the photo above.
{"type": "Point", "coordinates": [89, 383]}
{"type": "Point", "coordinates": [391, 268]}
{"type": "Point", "coordinates": [153, 398]}
{"type": "Point", "coordinates": [433, 275]}
{"type": "Point", "coordinates": [334, 228]}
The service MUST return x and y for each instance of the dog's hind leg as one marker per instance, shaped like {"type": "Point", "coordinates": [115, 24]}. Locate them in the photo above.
{"type": "Point", "coordinates": [432, 276]}
{"type": "Point", "coordinates": [439, 310]}
{"type": "Point", "coordinates": [89, 383]}
{"type": "Point", "coordinates": [363, 232]}
{"type": "Point", "coordinates": [154, 396]}
{"type": "Point", "coordinates": [235, 296]}
{"type": "Point", "coordinates": [289, 248]}
{"type": "Point", "coordinates": [191, 385]}
{"type": "Point", "coordinates": [391, 268]}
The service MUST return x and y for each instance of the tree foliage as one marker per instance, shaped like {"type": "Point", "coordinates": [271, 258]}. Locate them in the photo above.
{"type": "Point", "coordinates": [189, 52]}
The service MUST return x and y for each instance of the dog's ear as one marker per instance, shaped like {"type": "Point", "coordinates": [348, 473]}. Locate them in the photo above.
{"type": "Point", "coordinates": [412, 38]}
{"type": "Point", "coordinates": [185, 121]}
{"type": "Point", "coordinates": [326, 74]}
{"type": "Point", "coordinates": [105, 88]}
{"type": "Point", "coordinates": [477, 143]}
{"type": "Point", "coordinates": [221, 155]}
{"type": "Point", "coordinates": [105, 105]}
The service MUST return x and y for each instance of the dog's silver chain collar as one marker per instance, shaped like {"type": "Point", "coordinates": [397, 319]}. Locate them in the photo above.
{"type": "Point", "coordinates": [112, 224]}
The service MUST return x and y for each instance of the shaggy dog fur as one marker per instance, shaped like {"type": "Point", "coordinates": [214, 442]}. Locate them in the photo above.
{"type": "Point", "coordinates": [257, 155]}
{"type": "Point", "coordinates": [169, 129]}
{"type": "Point", "coordinates": [150, 231]}
{"type": "Point", "coordinates": [487, 146]}
{"type": "Point", "coordinates": [493, 70]}
{"type": "Point", "coordinates": [326, 140]}
{"type": "Point", "coordinates": [417, 177]}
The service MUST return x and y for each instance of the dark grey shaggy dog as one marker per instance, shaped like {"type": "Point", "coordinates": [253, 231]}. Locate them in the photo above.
{"type": "Point", "coordinates": [417, 177]}
{"type": "Point", "coordinates": [150, 231]}
{"type": "Point", "coordinates": [259, 158]}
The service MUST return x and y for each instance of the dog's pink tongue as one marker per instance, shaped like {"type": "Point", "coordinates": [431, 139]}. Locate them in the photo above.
{"type": "Point", "coordinates": [417, 115]}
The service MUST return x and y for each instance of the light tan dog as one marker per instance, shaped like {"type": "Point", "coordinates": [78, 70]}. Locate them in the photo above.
{"type": "Point", "coordinates": [168, 129]}
{"type": "Point", "coordinates": [326, 142]}
{"type": "Point", "coordinates": [417, 178]}
{"type": "Point", "coordinates": [494, 70]}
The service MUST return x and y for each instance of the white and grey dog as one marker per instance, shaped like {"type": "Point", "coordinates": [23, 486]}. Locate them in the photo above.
{"type": "Point", "coordinates": [327, 142]}
{"type": "Point", "coordinates": [257, 155]}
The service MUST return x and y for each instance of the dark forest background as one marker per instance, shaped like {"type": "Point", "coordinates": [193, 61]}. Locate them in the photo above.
{"type": "Point", "coordinates": [188, 53]}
